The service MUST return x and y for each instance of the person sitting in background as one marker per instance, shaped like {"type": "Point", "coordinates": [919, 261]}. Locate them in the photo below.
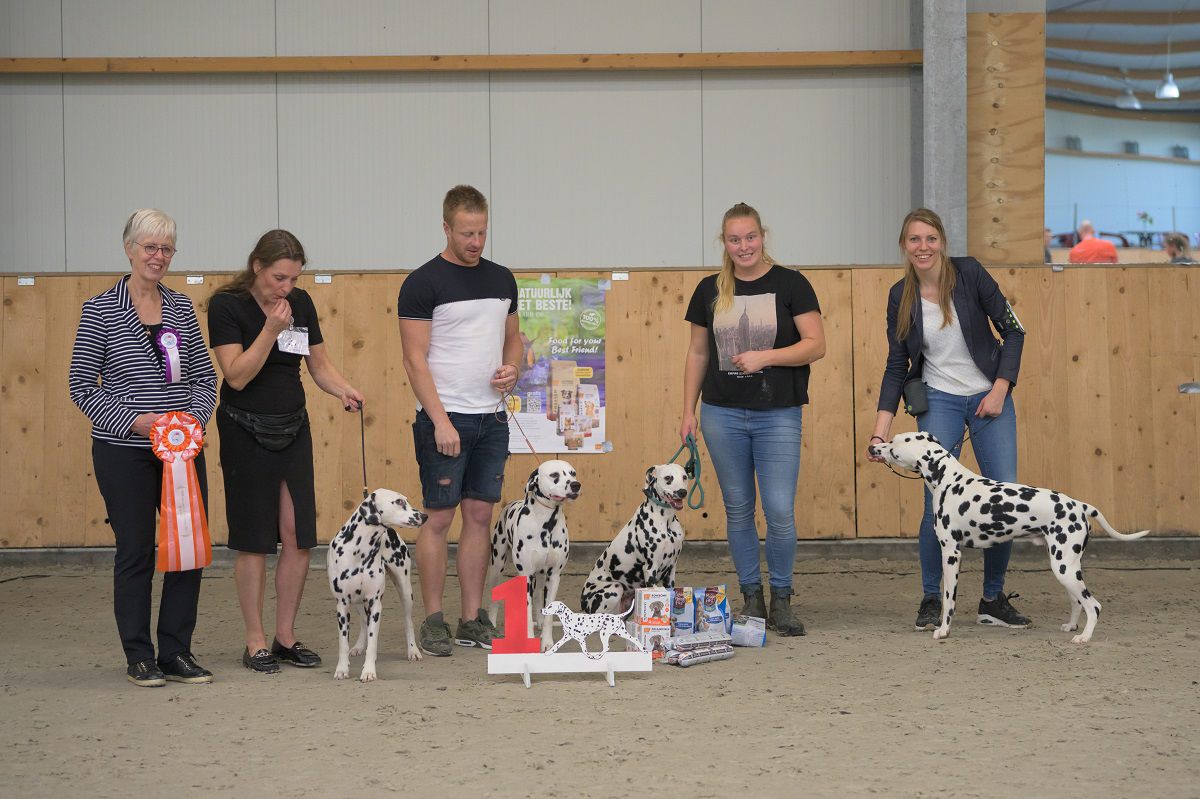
{"type": "Point", "coordinates": [1047, 237]}
{"type": "Point", "coordinates": [1177, 248]}
{"type": "Point", "coordinates": [1092, 249]}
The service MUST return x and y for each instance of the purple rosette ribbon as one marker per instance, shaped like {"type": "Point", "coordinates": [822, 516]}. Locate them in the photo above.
{"type": "Point", "coordinates": [167, 342]}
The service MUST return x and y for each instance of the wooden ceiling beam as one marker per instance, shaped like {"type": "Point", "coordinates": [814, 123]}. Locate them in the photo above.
{"type": "Point", "coordinates": [1121, 48]}
{"type": "Point", "coordinates": [1147, 18]}
{"type": "Point", "coordinates": [1113, 72]}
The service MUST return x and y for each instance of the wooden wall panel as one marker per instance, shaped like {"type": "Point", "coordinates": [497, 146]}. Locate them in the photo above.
{"type": "Point", "coordinates": [1006, 87]}
{"type": "Point", "coordinates": [1100, 416]}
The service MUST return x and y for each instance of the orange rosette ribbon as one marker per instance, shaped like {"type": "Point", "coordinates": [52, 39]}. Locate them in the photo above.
{"type": "Point", "coordinates": [183, 539]}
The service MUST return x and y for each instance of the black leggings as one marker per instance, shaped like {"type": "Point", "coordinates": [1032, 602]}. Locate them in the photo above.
{"type": "Point", "coordinates": [130, 480]}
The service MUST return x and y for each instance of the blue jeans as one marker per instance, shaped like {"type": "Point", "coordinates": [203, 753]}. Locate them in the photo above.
{"type": "Point", "coordinates": [744, 443]}
{"type": "Point", "coordinates": [477, 472]}
{"type": "Point", "coordinates": [994, 441]}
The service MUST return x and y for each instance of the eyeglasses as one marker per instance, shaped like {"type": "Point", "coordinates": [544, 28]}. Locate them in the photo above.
{"type": "Point", "coordinates": [153, 248]}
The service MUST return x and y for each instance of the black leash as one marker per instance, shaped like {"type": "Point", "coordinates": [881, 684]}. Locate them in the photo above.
{"type": "Point", "coordinates": [362, 429]}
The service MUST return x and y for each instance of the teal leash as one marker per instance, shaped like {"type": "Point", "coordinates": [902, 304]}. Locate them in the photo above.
{"type": "Point", "coordinates": [692, 468]}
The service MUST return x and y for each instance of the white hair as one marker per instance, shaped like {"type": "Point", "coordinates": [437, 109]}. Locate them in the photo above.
{"type": "Point", "coordinates": [148, 222]}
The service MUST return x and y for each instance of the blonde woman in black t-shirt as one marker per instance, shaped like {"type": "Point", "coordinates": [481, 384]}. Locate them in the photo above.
{"type": "Point", "coordinates": [260, 327]}
{"type": "Point", "coordinates": [755, 328]}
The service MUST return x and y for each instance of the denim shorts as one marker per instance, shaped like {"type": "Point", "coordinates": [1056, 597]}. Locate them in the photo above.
{"type": "Point", "coordinates": [478, 470]}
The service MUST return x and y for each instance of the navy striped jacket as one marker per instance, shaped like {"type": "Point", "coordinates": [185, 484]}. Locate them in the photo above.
{"type": "Point", "coordinates": [115, 376]}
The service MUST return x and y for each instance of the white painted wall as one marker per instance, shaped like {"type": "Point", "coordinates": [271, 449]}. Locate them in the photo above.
{"type": "Point", "coordinates": [582, 170]}
{"type": "Point", "coordinates": [1111, 192]}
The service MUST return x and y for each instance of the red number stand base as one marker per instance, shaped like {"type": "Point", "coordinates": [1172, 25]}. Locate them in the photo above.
{"type": "Point", "coordinates": [517, 653]}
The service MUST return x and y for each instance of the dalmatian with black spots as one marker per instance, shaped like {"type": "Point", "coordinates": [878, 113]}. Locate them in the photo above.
{"type": "Point", "coordinates": [533, 531]}
{"type": "Point", "coordinates": [973, 511]}
{"type": "Point", "coordinates": [578, 626]}
{"type": "Point", "coordinates": [360, 554]}
{"type": "Point", "coordinates": [646, 549]}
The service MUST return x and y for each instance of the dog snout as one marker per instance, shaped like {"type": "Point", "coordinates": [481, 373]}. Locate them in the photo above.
{"type": "Point", "coordinates": [421, 517]}
{"type": "Point", "coordinates": [574, 487]}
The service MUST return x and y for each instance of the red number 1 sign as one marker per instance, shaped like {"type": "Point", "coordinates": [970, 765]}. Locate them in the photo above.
{"type": "Point", "coordinates": [514, 594]}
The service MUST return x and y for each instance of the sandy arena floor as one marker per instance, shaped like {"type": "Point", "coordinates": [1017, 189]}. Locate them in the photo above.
{"type": "Point", "coordinates": [861, 706]}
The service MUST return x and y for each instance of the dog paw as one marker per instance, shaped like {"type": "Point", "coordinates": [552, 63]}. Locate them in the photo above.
{"type": "Point", "coordinates": [1081, 639]}
{"type": "Point", "coordinates": [414, 652]}
{"type": "Point", "coordinates": [341, 672]}
{"type": "Point", "coordinates": [357, 650]}
{"type": "Point", "coordinates": [367, 676]}
{"type": "Point", "coordinates": [940, 634]}
{"type": "Point", "coordinates": [1070, 628]}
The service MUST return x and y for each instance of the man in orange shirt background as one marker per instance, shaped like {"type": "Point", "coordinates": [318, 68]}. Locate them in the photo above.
{"type": "Point", "coordinates": [1092, 249]}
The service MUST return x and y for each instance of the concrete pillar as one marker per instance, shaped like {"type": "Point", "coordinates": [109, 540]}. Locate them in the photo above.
{"type": "Point", "coordinates": [943, 174]}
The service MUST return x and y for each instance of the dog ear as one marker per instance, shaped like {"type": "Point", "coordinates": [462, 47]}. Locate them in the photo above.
{"type": "Point", "coordinates": [370, 510]}
{"type": "Point", "coordinates": [933, 439]}
{"type": "Point", "coordinates": [649, 479]}
{"type": "Point", "coordinates": [531, 485]}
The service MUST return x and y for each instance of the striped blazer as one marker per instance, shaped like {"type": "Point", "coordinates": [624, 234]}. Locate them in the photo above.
{"type": "Point", "coordinates": [115, 376]}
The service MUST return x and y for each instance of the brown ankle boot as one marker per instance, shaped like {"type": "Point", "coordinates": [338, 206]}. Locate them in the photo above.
{"type": "Point", "coordinates": [782, 620]}
{"type": "Point", "coordinates": [755, 605]}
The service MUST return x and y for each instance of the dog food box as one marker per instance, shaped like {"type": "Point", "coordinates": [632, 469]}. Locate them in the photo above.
{"type": "Point", "coordinates": [653, 606]}
{"type": "Point", "coordinates": [749, 631]}
{"type": "Point", "coordinates": [654, 638]}
{"type": "Point", "coordinates": [712, 609]}
{"type": "Point", "coordinates": [683, 612]}
{"type": "Point", "coordinates": [588, 403]}
{"type": "Point", "coordinates": [564, 388]}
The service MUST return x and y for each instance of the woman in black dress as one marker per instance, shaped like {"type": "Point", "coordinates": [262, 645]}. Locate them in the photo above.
{"type": "Point", "coordinates": [260, 326]}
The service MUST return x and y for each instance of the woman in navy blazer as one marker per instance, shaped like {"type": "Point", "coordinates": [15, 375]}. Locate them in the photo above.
{"type": "Point", "coordinates": [940, 319]}
{"type": "Point", "coordinates": [127, 369]}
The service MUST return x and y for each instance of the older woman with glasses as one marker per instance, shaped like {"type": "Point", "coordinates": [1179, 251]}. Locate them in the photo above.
{"type": "Point", "coordinates": [139, 354]}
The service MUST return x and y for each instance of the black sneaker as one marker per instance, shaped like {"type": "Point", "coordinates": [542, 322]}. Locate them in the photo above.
{"type": "Point", "coordinates": [435, 636]}
{"type": "Point", "coordinates": [261, 661]}
{"type": "Point", "coordinates": [1000, 613]}
{"type": "Point", "coordinates": [929, 616]}
{"type": "Point", "coordinates": [184, 668]}
{"type": "Point", "coordinates": [145, 673]}
{"type": "Point", "coordinates": [478, 631]}
{"type": "Point", "coordinates": [295, 655]}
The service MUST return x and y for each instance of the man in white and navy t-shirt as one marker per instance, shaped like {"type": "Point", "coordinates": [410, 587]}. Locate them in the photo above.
{"type": "Point", "coordinates": [462, 343]}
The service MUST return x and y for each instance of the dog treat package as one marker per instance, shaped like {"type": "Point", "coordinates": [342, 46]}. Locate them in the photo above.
{"type": "Point", "coordinates": [691, 657]}
{"type": "Point", "coordinates": [564, 387]}
{"type": "Point", "coordinates": [653, 606]}
{"type": "Point", "coordinates": [683, 612]}
{"type": "Point", "coordinates": [749, 631]}
{"type": "Point", "coordinates": [712, 609]}
{"type": "Point", "coordinates": [568, 427]}
{"type": "Point", "coordinates": [654, 638]}
{"type": "Point", "coordinates": [588, 407]}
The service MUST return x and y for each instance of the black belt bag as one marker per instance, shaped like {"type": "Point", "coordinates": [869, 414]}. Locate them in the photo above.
{"type": "Point", "coordinates": [272, 431]}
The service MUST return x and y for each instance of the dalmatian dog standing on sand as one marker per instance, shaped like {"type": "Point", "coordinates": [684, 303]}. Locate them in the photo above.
{"type": "Point", "coordinates": [534, 531]}
{"type": "Point", "coordinates": [973, 511]}
{"type": "Point", "coordinates": [646, 549]}
{"type": "Point", "coordinates": [363, 550]}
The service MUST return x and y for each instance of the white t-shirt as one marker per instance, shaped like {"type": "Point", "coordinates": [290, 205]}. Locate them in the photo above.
{"type": "Point", "coordinates": [949, 366]}
{"type": "Point", "coordinates": [468, 307]}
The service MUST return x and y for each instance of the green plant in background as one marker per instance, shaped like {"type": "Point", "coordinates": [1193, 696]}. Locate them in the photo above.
{"type": "Point", "coordinates": [1145, 218]}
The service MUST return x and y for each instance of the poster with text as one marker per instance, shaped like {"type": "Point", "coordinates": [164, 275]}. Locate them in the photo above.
{"type": "Point", "coordinates": [559, 402]}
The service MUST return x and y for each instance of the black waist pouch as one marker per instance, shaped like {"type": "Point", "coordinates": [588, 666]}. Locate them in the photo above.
{"type": "Point", "coordinates": [272, 431]}
{"type": "Point", "coordinates": [916, 398]}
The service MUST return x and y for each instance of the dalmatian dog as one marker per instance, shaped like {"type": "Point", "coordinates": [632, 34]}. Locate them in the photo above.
{"type": "Point", "coordinates": [973, 511]}
{"type": "Point", "coordinates": [363, 550]}
{"type": "Point", "coordinates": [578, 626]}
{"type": "Point", "coordinates": [646, 549]}
{"type": "Point", "coordinates": [533, 531]}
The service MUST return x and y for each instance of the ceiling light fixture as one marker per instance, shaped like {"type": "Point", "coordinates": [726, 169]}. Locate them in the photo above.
{"type": "Point", "coordinates": [1168, 89]}
{"type": "Point", "coordinates": [1127, 100]}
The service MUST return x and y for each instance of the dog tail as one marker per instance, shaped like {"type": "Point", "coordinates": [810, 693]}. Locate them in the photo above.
{"type": "Point", "coordinates": [1108, 528]}
{"type": "Point", "coordinates": [632, 605]}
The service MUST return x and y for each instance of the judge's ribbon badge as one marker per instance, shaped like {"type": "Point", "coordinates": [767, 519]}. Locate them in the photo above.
{"type": "Point", "coordinates": [167, 342]}
{"type": "Point", "coordinates": [183, 539]}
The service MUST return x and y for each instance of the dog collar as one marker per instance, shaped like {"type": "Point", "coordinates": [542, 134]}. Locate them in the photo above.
{"type": "Point", "coordinates": [650, 496]}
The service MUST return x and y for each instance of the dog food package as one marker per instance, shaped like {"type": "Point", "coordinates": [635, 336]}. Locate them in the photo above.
{"type": "Point", "coordinates": [569, 427]}
{"type": "Point", "coordinates": [712, 609]}
{"type": "Point", "coordinates": [588, 406]}
{"type": "Point", "coordinates": [749, 631]}
{"type": "Point", "coordinates": [564, 386]}
{"type": "Point", "coordinates": [683, 612]}
{"type": "Point", "coordinates": [653, 606]}
{"type": "Point", "coordinates": [654, 638]}
{"type": "Point", "coordinates": [690, 657]}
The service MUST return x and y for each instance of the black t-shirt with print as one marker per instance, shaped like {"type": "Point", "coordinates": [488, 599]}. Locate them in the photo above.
{"type": "Point", "coordinates": [238, 319]}
{"type": "Point", "coordinates": [761, 318]}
